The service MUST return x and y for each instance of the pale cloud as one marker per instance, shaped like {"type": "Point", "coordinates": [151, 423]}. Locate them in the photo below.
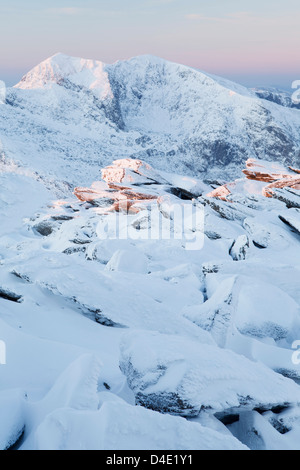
{"type": "Point", "coordinates": [68, 11]}
{"type": "Point", "coordinates": [74, 11]}
{"type": "Point", "coordinates": [161, 1]}
{"type": "Point", "coordinates": [231, 17]}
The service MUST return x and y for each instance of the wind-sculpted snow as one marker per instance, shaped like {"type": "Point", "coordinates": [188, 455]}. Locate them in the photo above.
{"type": "Point", "coordinates": [109, 423]}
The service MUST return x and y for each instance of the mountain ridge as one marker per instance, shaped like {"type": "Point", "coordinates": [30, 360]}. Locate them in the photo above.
{"type": "Point", "coordinates": [169, 115]}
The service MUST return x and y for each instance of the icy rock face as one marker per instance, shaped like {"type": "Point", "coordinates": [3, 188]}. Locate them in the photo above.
{"type": "Point", "coordinates": [173, 375]}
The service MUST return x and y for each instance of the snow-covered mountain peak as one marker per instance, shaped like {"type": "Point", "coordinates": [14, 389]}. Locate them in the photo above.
{"type": "Point", "coordinates": [92, 73]}
{"type": "Point", "coordinates": [60, 68]}
{"type": "Point", "coordinates": [174, 117]}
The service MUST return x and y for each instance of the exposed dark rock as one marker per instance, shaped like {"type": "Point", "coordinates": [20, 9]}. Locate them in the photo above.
{"type": "Point", "coordinates": [71, 250]}
{"type": "Point", "coordinates": [44, 228]}
{"type": "Point", "coordinates": [11, 296]}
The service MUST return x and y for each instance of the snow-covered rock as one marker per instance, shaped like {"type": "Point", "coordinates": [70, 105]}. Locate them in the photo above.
{"type": "Point", "coordinates": [172, 375]}
{"type": "Point", "coordinates": [249, 306]}
{"type": "Point", "coordinates": [258, 308]}
{"type": "Point", "coordinates": [290, 197]}
{"type": "Point", "coordinates": [133, 172]}
{"type": "Point", "coordinates": [217, 314]}
{"type": "Point", "coordinates": [258, 232]}
{"type": "Point", "coordinates": [293, 220]}
{"type": "Point", "coordinates": [239, 248]}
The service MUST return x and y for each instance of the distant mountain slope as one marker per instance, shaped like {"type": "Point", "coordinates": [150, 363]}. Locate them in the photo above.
{"type": "Point", "coordinates": [68, 117]}
{"type": "Point", "coordinates": [283, 98]}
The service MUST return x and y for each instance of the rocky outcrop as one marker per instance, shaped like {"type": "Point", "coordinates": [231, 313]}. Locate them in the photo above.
{"type": "Point", "coordinates": [129, 171]}
{"type": "Point", "coordinates": [278, 178]}
{"type": "Point", "coordinates": [275, 175]}
{"type": "Point", "coordinates": [118, 190]}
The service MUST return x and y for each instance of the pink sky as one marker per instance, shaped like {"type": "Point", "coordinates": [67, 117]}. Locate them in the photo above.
{"type": "Point", "coordinates": [236, 38]}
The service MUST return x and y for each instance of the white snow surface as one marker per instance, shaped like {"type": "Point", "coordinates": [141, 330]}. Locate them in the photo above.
{"type": "Point", "coordinates": [77, 302]}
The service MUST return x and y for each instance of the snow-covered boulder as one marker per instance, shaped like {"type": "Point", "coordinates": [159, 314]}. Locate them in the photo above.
{"type": "Point", "coordinates": [265, 311]}
{"type": "Point", "coordinates": [256, 309]}
{"type": "Point", "coordinates": [176, 375]}
{"type": "Point", "coordinates": [239, 248]}
{"type": "Point", "coordinates": [217, 314]}
{"type": "Point", "coordinates": [132, 172]}
{"type": "Point", "coordinates": [258, 232]}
